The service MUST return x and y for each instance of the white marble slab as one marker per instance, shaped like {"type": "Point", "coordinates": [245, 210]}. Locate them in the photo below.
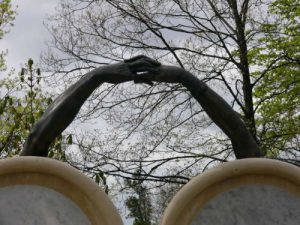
{"type": "Point", "coordinates": [36, 205]}
{"type": "Point", "coordinates": [251, 205]}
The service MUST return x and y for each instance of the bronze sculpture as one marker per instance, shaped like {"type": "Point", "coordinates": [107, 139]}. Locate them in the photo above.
{"type": "Point", "coordinates": [139, 69]}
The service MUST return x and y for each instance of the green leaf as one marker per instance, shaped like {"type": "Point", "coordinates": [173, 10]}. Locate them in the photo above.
{"type": "Point", "coordinates": [69, 139]}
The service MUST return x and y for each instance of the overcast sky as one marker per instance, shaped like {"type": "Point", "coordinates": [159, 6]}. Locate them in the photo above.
{"type": "Point", "coordinates": [27, 37]}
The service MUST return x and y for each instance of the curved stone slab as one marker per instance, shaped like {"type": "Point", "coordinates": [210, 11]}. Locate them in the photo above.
{"type": "Point", "coordinates": [251, 204]}
{"type": "Point", "coordinates": [241, 192]}
{"type": "Point", "coordinates": [33, 204]}
{"type": "Point", "coordinates": [43, 191]}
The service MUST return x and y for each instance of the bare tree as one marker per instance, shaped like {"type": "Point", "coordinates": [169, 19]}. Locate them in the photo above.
{"type": "Point", "coordinates": [159, 125]}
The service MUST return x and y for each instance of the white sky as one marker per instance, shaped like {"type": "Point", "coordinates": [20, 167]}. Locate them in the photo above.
{"type": "Point", "coordinates": [27, 37]}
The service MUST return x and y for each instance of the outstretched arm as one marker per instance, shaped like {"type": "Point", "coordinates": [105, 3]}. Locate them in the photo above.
{"type": "Point", "coordinates": [215, 106]}
{"type": "Point", "coordinates": [140, 69]}
{"type": "Point", "coordinates": [66, 106]}
{"type": "Point", "coordinates": [223, 116]}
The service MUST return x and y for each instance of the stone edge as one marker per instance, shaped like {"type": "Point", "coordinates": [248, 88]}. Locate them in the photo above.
{"type": "Point", "coordinates": [103, 208]}
{"type": "Point", "coordinates": [182, 201]}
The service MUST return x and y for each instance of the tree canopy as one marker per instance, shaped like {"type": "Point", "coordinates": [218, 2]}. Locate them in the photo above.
{"type": "Point", "coordinates": [230, 45]}
{"type": "Point", "coordinates": [279, 86]}
{"type": "Point", "coordinates": [23, 104]}
{"type": "Point", "coordinates": [7, 16]}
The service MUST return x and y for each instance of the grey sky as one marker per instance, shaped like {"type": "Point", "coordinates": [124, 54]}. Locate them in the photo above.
{"type": "Point", "coordinates": [27, 37]}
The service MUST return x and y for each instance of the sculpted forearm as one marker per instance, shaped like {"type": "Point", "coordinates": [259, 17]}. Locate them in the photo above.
{"type": "Point", "coordinates": [65, 108]}
{"type": "Point", "coordinates": [216, 107]}
{"type": "Point", "coordinates": [60, 114]}
{"type": "Point", "coordinates": [139, 69]}
{"type": "Point", "coordinates": [223, 116]}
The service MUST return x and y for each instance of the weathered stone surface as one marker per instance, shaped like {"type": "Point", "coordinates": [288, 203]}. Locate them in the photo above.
{"type": "Point", "coordinates": [36, 205]}
{"type": "Point", "coordinates": [251, 205]}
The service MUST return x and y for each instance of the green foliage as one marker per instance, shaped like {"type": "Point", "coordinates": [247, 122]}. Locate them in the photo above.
{"type": "Point", "coordinates": [7, 15]}
{"type": "Point", "coordinates": [22, 104]}
{"type": "Point", "coordinates": [139, 204]}
{"type": "Point", "coordinates": [100, 179]}
{"type": "Point", "coordinates": [277, 91]}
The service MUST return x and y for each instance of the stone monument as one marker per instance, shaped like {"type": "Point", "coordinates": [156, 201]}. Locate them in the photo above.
{"type": "Point", "coordinates": [241, 192]}
{"type": "Point", "coordinates": [42, 191]}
